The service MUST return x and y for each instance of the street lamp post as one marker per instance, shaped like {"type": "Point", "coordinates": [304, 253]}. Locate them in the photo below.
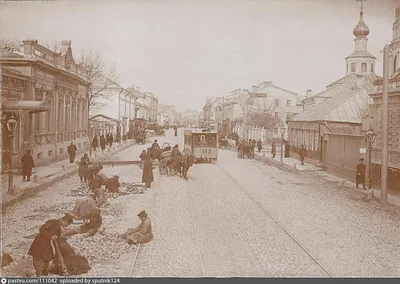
{"type": "Point", "coordinates": [283, 128]}
{"type": "Point", "coordinates": [11, 126]}
{"type": "Point", "coordinates": [370, 137]}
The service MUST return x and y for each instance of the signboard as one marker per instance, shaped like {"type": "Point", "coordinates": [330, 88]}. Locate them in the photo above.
{"type": "Point", "coordinates": [363, 150]}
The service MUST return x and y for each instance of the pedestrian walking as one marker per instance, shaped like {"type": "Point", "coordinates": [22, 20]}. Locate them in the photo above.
{"type": "Point", "coordinates": [360, 173]}
{"type": "Point", "coordinates": [27, 165]}
{"type": "Point", "coordinates": [287, 149]}
{"type": "Point", "coordinates": [302, 154]}
{"type": "Point", "coordinates": [41, 248]}
{"type": "Point", "coordinates": [142, 233]}
{"type": "Point", "coordinates": [72, 152]}
{"type": "Point", "coordinates": [83, 170]}
{"type": "Point", "coordinates": [95, 143]}
{"type": "Point", "coordinates": [259, 145]}
{"type": "Point", "coordinates": [273, 149]}
{"type": "Point", "coordinates": [147, 176]}
{"type": "Point", "coordinates": [102, 143]}
{"type": "Point", "coordinates": [175, 131]}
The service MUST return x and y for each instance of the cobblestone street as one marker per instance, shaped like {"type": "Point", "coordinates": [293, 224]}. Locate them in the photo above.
{"type": "Point", "coordinates": [222, 223]}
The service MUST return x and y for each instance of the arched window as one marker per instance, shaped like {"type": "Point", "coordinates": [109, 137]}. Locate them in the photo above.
{"type": "Point", "coordinates": [395, 64]}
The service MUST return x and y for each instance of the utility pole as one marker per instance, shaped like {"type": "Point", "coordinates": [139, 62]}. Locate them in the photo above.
{"type": "Point", "coordinates": [385, 126]}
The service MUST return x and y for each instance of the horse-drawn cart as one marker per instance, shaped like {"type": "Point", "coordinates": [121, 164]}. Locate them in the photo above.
{"type": "Point", "coordinates": [165, 159]}
{"type": "Point", "coordinates": [246, 149]}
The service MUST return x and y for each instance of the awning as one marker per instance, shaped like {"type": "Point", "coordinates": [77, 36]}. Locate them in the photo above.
{"type": "Point", "coordinates": [31, 106]}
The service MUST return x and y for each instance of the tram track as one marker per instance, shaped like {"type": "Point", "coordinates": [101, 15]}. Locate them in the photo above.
{"type": "Point", "coordinates": [195, 229]}
{"type": "Point", "coordinates": [139, 246]}
{"type": "Point", "coordinates": [259, 205]}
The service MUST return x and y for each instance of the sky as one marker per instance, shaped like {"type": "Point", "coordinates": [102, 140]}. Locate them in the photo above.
{"type": "Point", "coordinates": [186, 51]}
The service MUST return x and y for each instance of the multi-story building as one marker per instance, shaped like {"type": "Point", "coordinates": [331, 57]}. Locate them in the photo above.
{"type": "Point", "coordinates": [52, 109]}
{"type": "Point", "coordinates": [167, 115]}
{"type": "Point", "coordinates": [393, 112]}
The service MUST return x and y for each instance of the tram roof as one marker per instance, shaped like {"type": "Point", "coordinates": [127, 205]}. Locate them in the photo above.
{"type": "Point", "coordinates": [200, 131]}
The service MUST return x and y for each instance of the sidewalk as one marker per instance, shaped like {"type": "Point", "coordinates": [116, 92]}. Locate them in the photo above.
{"type": "Point", "coordinates": [294, 165]}
{"type": "Point", "coordinates": [49, 174]}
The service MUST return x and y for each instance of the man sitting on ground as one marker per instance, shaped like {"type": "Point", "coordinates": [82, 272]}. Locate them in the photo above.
{"type": "Point", "coordinates": [142, 233]}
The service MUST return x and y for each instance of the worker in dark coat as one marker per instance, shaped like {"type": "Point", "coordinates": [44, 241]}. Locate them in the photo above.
{"type": "Point", "coordinates": [27, 165]}
{"type": "Point", "coordinates": [113, 184]}
{"type": "Point", "coordinates": [95, 143]}
{"type": "Point", "coordinates": [273, 149]}
{"type": "Point", "coordinates": [41, 248]}
{"type": "Point", "coordinates": [302, 154]}
{"type": "Point", "coordinates": [175, 153]}
{"type": "Point", "coordinates": [84, 171]}
{"type": "Point", "coordinates": [175, 131]}
{"type": "Point", "coordinates": [360, 173]}
{"type": "Point", "coordinates": [147, 176]}
{"type": "Point", "coordinates": [72, 152]}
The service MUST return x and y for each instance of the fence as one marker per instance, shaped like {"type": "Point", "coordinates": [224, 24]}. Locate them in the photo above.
{"type": "Point", "coordinates": [253, 133]}
{"type": "Point", "coordinates": [341, 154]}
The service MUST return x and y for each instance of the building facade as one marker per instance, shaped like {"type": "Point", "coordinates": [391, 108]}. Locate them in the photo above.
{"type": "Point", "coordinates": [393, 114]}
{"type": "Point", "coordinates": [61, 87]}
{"type": "Point", "coordinates": [341, 104]}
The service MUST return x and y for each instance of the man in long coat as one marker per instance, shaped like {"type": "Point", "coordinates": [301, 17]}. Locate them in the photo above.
{"type": "Point", "coordinates": [95, 143]}
{"type": "Point", "coordinates": [72, 152]}
{"type": "Point", "coordinates": [287, 149]}
{"type": "Point", "coordinates": [302, 154]}
{"type": "Point", "coordinates": [147, 176]}
{"type": "Point", "coordinates": [142, 233]}
{"type": "Point", "coordinates": [102, 143]}
{"type": "Point", "coordinates": [27, 165]}
{"type": "Point", "coordinates": [360, 173]}
{"type": "Point", "coordinates": [273, 149]}
{"type": "Point", "coordinates": [41, 248]}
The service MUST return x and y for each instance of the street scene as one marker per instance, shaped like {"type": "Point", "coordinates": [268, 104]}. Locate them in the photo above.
{"type": "Point", "coordinates": [116, 162]}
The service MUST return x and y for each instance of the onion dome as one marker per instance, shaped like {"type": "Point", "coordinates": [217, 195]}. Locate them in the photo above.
{"type": "Point", "coordinates": [361, 29]}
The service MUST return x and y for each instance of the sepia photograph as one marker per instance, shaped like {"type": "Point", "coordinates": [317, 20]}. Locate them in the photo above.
{"type": "Point", "coordinates": [200, 139]}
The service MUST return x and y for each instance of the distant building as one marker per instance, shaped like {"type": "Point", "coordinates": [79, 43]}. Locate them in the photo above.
{"type": "Point", "coordinates": [167, 115]}
{"type": "Point", "coordinates": [48, 92]}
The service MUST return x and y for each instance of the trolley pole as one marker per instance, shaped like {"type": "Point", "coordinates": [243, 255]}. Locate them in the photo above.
{"type": "Point", "coordinates": [385, 126]}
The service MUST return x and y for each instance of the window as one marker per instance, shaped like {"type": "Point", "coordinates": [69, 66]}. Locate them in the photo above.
{"type": "Point", "coordinates": [276, 102]}
{"type": "Point", "coordinates": [50, 153]}
{"type": "Point", "coordinates": [364, 67]}
{"type": "Point", "coordinates": [39, 156]}
{"type": "Point", "coordinates": [353, 67]}
{"type": "Point", "coordinates": [275, 130]}
{"type": "Point", "coordinates": [276, 114]}
{"type": "Point", "coordinates": [61, 150]}
{"type": "Point", "coordinates": [347, 68]}
{"type": "Point", "coordinates": [372, 67]}
{"type": "Point", "coordinates": [288, 103]}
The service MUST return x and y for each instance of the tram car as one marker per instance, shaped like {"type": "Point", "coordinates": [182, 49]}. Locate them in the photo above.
{"type": "Point", "coordinates": [202, 144]}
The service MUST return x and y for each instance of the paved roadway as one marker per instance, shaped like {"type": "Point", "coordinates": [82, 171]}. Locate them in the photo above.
{"type": "Point", "coordinates": [232, 218]}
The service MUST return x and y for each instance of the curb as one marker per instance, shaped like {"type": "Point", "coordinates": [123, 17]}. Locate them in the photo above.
{"type": "Point", "coordinates": [279, 165]}
{"type": "Point", "coordinates": [33, 190]}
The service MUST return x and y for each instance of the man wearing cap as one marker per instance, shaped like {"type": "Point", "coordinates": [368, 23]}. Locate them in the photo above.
{"type": "Point", "coordinates": [360, 173]}
{"type": "Point", "coordinates": [142, 233]}
{"type": "Point", "coordinates": [41, 248]}
{"type": "Point", "coordinates": [113, 184]}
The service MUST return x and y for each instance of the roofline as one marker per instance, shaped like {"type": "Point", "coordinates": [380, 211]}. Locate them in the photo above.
{"type": "Point", "coordinates": [26, 61]}
{"type": "Point", "coordinates": [323, 121]}
{"type": "Point", "coordinates": [14, 72]}
{"type": "Point", "coordinates": [370, 56]}
{"type": "Point", "coordinates": [283, 89]}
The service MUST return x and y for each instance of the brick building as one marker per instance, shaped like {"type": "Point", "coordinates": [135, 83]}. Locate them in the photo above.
{"type": "Point", "coordinates": [53, 108]}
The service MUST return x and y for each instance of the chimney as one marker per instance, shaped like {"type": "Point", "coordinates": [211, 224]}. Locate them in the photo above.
{"type": "Point", "coordinates": [360, 81]}
{"type": "Point", "coordinates": [308, 93]}
{"type": "Point", "coordinates": [269, 83]}
{"type": "Point", "coordinates": [29, 47]}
